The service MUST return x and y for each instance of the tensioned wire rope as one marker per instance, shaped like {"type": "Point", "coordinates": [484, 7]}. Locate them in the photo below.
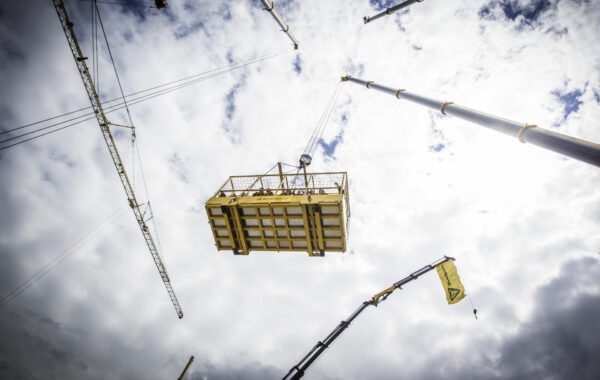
{"type": "Point", "coordinates": [70, 251]}
{"type": "Point", "coordinates": [135, 147]}
{"type": "Point", "coordinates": [317, 134]}
{"type": "Point", "coordinates": [161, 90]}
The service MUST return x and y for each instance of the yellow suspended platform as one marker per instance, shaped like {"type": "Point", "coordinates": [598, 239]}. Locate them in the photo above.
{"type": "Point", "coordinates": [281, 212]}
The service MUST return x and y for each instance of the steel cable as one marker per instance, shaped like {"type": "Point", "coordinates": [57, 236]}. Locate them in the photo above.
{"type": "Point", "coordinates": [208, 75]}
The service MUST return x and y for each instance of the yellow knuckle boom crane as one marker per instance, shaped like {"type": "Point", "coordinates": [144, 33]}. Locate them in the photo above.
{"type": "Point", "coordinates": [297, 371]}
{"type": "Point", "coordinates": [88, 83]}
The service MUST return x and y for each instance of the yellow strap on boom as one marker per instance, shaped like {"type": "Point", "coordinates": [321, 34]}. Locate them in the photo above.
{"type": "Point", "coordinates": [520, 134]}
{"type": "Point", "coordinates": [377, 296]}
{"type": "Point", "coordinates": [444, 106]}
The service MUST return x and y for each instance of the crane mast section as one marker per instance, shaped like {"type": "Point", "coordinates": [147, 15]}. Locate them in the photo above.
{"type": "Point", "coordinates": [67, 26]}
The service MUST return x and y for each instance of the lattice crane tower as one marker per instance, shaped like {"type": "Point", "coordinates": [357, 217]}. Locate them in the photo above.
{"type": "Point", "coordinates": [67, 26]}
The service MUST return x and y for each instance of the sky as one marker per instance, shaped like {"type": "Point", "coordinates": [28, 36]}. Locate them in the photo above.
{"type": "Point", "coordinates": [522, 222]}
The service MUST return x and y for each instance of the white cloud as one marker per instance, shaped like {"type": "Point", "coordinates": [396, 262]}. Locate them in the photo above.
{"type": "Point", "coordinates": [514, 215]}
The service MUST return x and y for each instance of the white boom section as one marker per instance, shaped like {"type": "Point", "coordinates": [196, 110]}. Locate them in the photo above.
{"type": "Point", "coordinates": [526, 133]}
{"type": "Point", "coordinates": [270, 7]}
{"type": "Point", "coordinates": [112, 148]}
{"type": "Point", "coordinates": [391, 10]}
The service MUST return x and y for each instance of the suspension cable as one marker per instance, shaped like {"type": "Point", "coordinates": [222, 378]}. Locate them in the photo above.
{"type": "Point", "coordinates": [219, 70]}
{"type": "Point", "coordinates": [113, 64]}
{"type": "Point", "coordinates": [208, 75]}
{"type": "Point", "coordinates": [15, 362]}
{"type": "Point", "coordinates": [72, 249]}
{"type": "Point", "coordinates": [317, 133]}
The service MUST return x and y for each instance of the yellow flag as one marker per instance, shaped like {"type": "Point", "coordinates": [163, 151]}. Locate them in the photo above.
{"type": "Point", "coordinates": [450, 281]}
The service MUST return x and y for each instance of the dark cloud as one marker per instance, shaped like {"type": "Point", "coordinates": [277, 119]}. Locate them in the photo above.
{"type": "Point", "coordinates": [249, 371]}
{"type": "Point", "coordinates": [560, 341]}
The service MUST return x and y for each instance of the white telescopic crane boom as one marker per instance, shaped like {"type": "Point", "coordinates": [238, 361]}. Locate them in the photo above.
{"type": "Point", "coordinates": [390, 10]}
{"type": "Point", "coordinates": [270, 7]}
{"type": "Point", "coordinates": [578, 149]}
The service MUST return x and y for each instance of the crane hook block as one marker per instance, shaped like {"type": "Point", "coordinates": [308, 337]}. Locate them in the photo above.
{"type": "Point", "coordinates": [305, 159]}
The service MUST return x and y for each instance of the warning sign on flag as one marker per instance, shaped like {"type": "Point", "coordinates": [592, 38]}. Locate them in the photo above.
{"type": "Point", "coordinates": [450, 281]}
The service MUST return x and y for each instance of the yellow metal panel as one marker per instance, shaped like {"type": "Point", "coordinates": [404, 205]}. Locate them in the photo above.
{"type": "Point", "coordinates": [306, 231]}
{"type": "Point", "coordinates": [280, 218]}
{"type": "Point", "coordinates": [240, 230]}
{"type": "Point", "coordinates": [319, 232]}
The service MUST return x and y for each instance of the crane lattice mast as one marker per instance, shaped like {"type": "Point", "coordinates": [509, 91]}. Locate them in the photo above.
{"type": "Point", "coordinates": [67, 26]}
{"type": "Point", "coordinates": [578, 149]}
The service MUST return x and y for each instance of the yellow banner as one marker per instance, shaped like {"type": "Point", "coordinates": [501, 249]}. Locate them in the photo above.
{"type": "Point", "coordinates": [450, 281]}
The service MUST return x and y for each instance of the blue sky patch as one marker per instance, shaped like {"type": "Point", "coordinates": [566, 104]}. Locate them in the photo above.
{"type": "Point", "coordinates": [558, 32]}
{"type": "Point", "coordinates": [527, 12]}
{"type": "Point", "coordinates": [230, 99]}
{"type": "Point", "coordinates": [532, 11]}
{"type": "Point", "coordinates": [230, 103]}
{"type": "Point", "coordinates": [229, 57]}
{"type": "Point", "coordinates": [330, 148]}
{"type": "Point", "coordinates": [381, 5]}
{"type": "Point", "coordinates": [570, 100]}
{"type": "Point", "coordinates": [437, 148]}
{"type": "Point", "coordinates": [297, 64]}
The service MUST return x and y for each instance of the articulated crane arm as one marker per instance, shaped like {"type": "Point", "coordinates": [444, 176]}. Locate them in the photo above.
{"type": "Point", "coordinates": [298, 370]}
{"type": "Point", "coordinates": [112, 148]}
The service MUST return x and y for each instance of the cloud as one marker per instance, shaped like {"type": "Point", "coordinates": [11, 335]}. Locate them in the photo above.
{"type": "Point", "coordinates": [251, 371]}
{"type": "Point", "coordinates": [558, 341]}
{"type": "Point", "coordinates": [500, 207]}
